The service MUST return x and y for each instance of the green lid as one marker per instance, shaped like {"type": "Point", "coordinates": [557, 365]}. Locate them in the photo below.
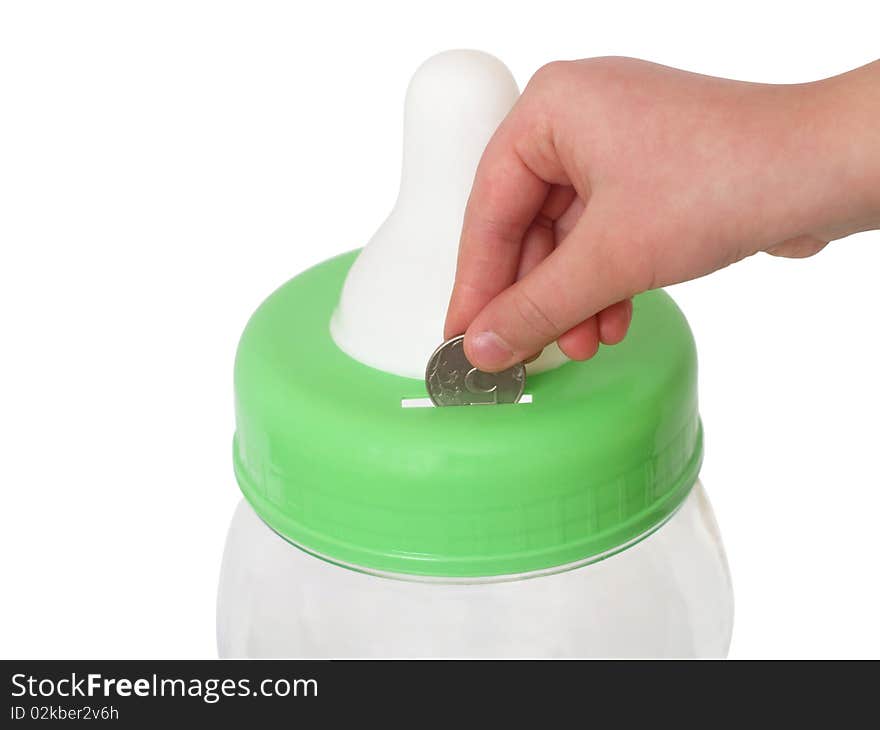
{"type": "Point", "coordinates": [329, 459]}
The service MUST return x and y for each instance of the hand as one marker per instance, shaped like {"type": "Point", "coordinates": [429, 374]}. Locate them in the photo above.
{"type": "Point", "coordinates": [613, 176]}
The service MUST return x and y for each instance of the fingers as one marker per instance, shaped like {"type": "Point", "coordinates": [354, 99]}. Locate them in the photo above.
{"type": "Point", "coordinates": [614, 321]}
{"type": "Point", "coordinates": [537, 244]}
{"type": "Point", "coordinates": [608, 327]}
{"type": "Point", "coordinates": [558, 299]}
{"type": "Point", "coordinates": [505, 198]}
{"type": "Point", "coordinates": [581, 342]}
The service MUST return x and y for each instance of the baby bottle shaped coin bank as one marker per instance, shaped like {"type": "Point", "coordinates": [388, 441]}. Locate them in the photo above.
{"type": "Point", "coordinates": [570, 524]}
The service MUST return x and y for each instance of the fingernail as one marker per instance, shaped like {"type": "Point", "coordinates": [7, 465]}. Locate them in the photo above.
{"type": "Point", "coordinates": [489, 351]}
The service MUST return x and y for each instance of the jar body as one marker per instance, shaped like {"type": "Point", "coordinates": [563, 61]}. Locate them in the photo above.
{"type": "Point", "coordinates": [667, 595]}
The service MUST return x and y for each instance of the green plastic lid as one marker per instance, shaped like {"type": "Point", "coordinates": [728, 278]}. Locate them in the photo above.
{"type": "Point", "coordinates": [326, 455]}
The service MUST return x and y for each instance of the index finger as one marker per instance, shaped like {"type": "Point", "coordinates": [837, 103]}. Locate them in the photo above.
{"type": "Point", "coordinates": [505, 198]}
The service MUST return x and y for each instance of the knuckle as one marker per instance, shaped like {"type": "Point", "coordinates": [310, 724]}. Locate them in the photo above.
{"type": "Point", "coordinates": [497, 228]}
{"type": "Point", "coordinates": [550, 73]}
{"type": "Point", "coordinates": [535, 316]}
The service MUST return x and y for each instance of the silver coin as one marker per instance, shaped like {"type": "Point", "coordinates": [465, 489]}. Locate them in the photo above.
{"type": "Point", "coordinates": [452, 380]}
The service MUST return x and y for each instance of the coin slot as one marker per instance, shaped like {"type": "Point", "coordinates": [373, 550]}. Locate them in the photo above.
{"type": "Point", "coordinates": [426, 402]}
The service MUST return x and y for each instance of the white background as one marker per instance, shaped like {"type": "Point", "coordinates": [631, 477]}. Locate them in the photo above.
{"type": "Point", "coordinates": [166, 165]}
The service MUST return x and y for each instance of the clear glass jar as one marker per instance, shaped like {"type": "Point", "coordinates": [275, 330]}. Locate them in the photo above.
{"type": "Point", "coordinates": [667, 594]}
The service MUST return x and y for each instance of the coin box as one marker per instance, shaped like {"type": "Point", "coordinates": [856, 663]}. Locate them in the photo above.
{"type": "Point", "coordinates": [574, 525]}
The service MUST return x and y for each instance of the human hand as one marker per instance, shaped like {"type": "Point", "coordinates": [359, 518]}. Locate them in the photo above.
{"type": "Point", "coordinates": [613, 176]}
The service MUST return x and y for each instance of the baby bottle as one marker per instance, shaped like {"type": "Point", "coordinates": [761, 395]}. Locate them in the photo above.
{"type": "Point", "coordinates": [375, 524]}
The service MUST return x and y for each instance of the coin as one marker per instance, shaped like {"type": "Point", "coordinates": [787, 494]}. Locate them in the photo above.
{"type": "Point", "coordinates": [452, 380]}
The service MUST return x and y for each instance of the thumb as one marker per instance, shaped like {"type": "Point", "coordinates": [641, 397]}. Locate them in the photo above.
{"type": "Point", "coordinates": [585, 274]}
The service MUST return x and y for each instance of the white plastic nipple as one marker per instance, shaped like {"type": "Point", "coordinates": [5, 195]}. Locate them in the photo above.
{"type": "Point", "coordinates": [392, 307]}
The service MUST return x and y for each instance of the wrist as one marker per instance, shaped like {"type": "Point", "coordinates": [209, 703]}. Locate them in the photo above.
{"type": "Point", "coordinates": [847, 108]}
